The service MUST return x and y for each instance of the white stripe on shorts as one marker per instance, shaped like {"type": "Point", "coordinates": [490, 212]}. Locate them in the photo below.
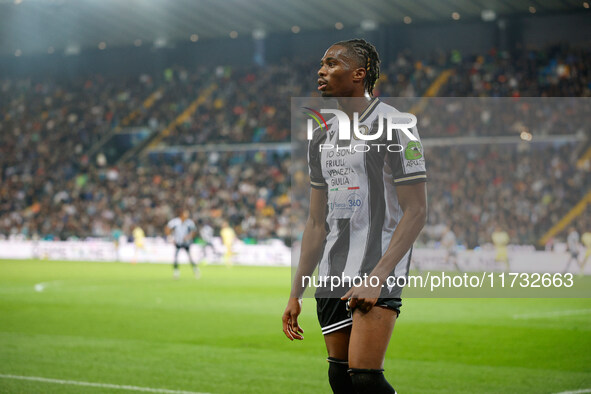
{"type": "Point", "coordinates": [337, 326]}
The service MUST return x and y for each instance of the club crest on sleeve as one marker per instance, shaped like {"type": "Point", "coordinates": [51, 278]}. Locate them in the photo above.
{"type": "Point", "coordinates": [413, 151]}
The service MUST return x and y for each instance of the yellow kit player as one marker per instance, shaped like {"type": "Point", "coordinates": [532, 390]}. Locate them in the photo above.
{"type": "Point", "coordinates": [228, 237]}
{"type": "Point", "coordinates": [139, 238]}
{"type": "Point", "coordinates": [500, 239]}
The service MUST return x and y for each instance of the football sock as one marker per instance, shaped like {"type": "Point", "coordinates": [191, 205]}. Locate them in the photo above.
{"type": "Point", "coordinates": [339, 378]}
{"type": "Point", "coordinates": [370, 381]}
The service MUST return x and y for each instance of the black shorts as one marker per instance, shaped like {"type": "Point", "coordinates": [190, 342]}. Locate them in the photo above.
{"type": "Point", "coordinates": [334, 315]}
{"type": "Point", "coordinates": [182, 246]}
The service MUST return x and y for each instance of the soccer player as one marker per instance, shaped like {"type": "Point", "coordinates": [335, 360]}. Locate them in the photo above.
{"type": "Point", "coordinates": [573, 243]}
{"type": "Point", "coordinates": [139, 238]}
{"type": "Point", "coordinates": [116, 235]}
{"type": "Point", "coordinates": [228, 237]}
{"type": "Point", "coordinates": [448, 241]}
{"type": "Point", "coordinates": [374, 239]}
{"type": "Point", "coordinates": [500, 239]}
{"type": "Point", "coordinates": [206, 234]}
{"type": "Point", "coordinates": [184, 232]}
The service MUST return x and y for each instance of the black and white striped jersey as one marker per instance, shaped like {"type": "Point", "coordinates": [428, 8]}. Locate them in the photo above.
{"type": "Point", "coordinates": [361, 179]}
{"type": "Point", "coordinates": [181, 230]}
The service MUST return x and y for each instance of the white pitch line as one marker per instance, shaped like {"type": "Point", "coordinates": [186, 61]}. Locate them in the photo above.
{"type": "Point", "coordinates": [102, 385]}
{"type": "Point", "coordinates": [576, 391]}
{"type": "Point", "coordinates": [553, 314]}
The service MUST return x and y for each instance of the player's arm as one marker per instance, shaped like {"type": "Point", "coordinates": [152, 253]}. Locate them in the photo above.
{"type": "Point", "coordinates": [413, 201]}
{"type": "Point", "coordinates": [312, 241]}
{"type": "Point", "coordinates": [168, 229]}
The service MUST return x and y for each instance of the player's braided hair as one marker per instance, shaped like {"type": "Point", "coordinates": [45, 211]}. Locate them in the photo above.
{"type": "Point", "coordinates": [368, 57]}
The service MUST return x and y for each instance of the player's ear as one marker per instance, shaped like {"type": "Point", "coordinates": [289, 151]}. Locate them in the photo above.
{"type": "Point", "coordinates": [359, 75]}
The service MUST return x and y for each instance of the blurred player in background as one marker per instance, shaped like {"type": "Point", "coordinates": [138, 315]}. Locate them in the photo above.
{"type": "Point", "coordinates": [116, 235]}
{"type": "Point", "coordinates": [206, 234]}
{"type": "Point", "coordinates": [574, 248]}
{"type": "Point", "coordinates": [183, 233]}
{"type": "Point", "coordinates": [139, 238]}
{"type": "Point", "coordinates": [449, 242]}
{"type": "Point", "coordinates": [500, 239]}
{"type": "Point", "coordinates": [357, 327]}
{"type": "Point", "coordinates": [228, 237]}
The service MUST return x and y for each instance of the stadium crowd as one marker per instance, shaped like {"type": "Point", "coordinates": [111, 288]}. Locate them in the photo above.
{"type": "Point", "coordinates": [51, 188]}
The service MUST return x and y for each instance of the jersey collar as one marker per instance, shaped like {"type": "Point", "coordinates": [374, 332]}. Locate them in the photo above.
{"type": "Point", "coordinates": [372, 105]}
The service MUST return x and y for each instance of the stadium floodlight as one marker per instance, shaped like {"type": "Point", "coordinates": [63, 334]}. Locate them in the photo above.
{"type": "Point", "coordinates": [259, 34]}
{"type": "Point", "coordinates": [72, 50]}
{"type": "Point", "coordinates": [160, 42]}
{"type": "Point", "coordinates": [369, 25]}
{"type": "Point", "coordinates": [488, 15]}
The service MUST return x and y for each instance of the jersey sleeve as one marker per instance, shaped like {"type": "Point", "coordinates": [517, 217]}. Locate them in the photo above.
{"type": "Point", "coordinates": [408, 161]}
{"type": "Point", "coordinates": [191, 225]}
{"type": "Point", "coordinates": [171, 223]}
{"type": "Point", "coordinates": [317, 180]}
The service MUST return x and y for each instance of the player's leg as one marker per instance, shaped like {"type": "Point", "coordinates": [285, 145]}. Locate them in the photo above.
{"type": "Point", "coordinates": [370, 336]}
{"type": "Point", "coordinates": [336, 327]}
{"type": "Point", "coordinates": [570, 260]}
{"type": "Point", "coordinates": [228, 254]}
{"type": "Point", "coordinates": [203, 259]}
{"type": "Point", "coordinates": [175, 266]}
{"type": "Point", "coordinates": [337, 345]}
{"type": "Point", "coordinates": [196, 271]}
{"type": "Point", "coordinates": [506, 259]}
{"type": "Point", "coordinates": [212, 252]}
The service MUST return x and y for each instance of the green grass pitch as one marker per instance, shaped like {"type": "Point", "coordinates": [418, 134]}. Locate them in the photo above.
{"type": "Point", "coordinates": [126, 324]}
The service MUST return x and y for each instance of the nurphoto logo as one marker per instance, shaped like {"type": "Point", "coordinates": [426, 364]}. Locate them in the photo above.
{"type": "Point", "coordinates": [393, 121]}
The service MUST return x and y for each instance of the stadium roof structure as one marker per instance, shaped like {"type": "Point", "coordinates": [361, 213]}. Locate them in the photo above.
{"type": "Point", "coordinates": [34, 26]}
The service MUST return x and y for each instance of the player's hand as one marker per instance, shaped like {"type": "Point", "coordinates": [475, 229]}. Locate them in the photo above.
{"type": "Point", "coordinates": [291, 328]}
{"type": "Point", "coordinates": [362, 297]}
